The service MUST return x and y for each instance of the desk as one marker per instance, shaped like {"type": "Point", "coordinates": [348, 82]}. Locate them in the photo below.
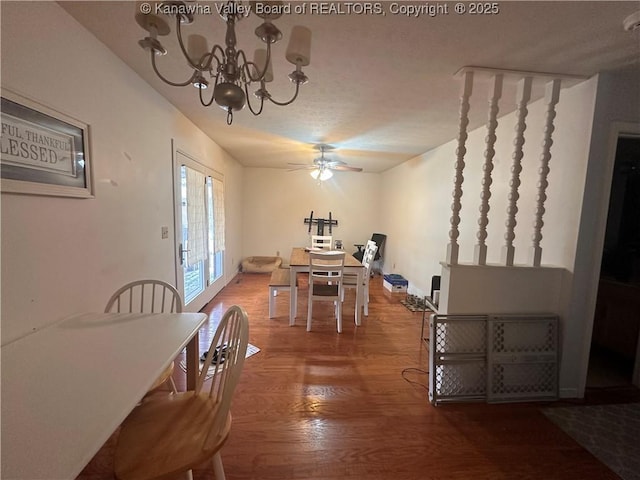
{"type": "Point", "coordinates": [299, 262]}
{"type": "Point", "coordinates": [67, 387]}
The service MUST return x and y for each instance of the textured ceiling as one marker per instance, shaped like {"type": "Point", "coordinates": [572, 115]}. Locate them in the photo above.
{"type": "Point", "coordinates": [382, 87]}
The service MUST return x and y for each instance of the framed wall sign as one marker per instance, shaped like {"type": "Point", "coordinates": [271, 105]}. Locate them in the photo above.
{"type": "Point", "coordinates": [43, 151]}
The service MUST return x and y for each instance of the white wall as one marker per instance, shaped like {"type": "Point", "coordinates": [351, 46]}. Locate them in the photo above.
{"type": "Point", "coordinates": [617, 110]}
{"type": "Point", "coordinates": [62, 256]}
{"type": "Point", "coordinates": [277, 202]}
{"type": "Point", "coordinates": [415, 208]}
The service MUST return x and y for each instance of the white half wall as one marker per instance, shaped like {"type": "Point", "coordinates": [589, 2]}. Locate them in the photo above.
{"type": "Point", "coordinates": [278, 201]}
{"type": "Point", "coordinates": [63, 256]}
{"type": "Point", "coordinates": [495, 289]}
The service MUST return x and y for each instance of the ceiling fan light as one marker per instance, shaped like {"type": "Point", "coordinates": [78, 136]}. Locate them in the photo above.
{"type": "Point", "coordinates": [325, 175]}
{"type": "Point", "coordinates": [321, 174]}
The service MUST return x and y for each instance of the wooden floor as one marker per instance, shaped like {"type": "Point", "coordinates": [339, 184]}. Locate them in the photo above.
{"type": "Point", "coordinates": [322, 405]}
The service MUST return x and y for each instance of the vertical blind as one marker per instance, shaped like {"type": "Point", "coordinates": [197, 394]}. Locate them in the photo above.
{"type": "Point", "coordinates": [218, 208]}
{"type": "Point", "coordinates": [196, 217]}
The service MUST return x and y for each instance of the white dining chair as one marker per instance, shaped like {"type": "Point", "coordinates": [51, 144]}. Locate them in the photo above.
{"type": "Point", "coordinates": [324, 242]}
{"type": "Point", "coordinates": [350, 281]}
{"type": "Point", "coordinates": [325, 283]}
{"type": "Point", "coordinates": [148, 296]}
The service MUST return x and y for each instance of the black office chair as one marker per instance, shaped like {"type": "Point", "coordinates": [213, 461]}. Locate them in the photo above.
{"type": "Point", "coordinates": [379, 238]}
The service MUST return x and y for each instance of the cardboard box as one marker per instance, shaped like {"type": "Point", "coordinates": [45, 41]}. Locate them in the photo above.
{"type": "Point", "coordinates": [395, 283]}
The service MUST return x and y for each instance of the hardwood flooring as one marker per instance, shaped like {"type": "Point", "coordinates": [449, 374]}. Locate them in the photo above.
{"type": "Point", "coordinates": [324, 406]}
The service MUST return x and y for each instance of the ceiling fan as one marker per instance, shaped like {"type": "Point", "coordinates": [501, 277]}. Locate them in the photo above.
{"type": "Point", "coordinates": [322, 168]}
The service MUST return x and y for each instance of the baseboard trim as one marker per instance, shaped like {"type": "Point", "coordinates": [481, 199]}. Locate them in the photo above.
{"type": "Point", "coordinates": [568, 393]}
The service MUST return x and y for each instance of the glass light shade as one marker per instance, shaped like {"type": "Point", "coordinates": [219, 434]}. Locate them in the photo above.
{"type": "Point", "coordinates": [299, 49]}
{"type": "Point", "coordinates": [260, 58]}
{"type": "Point", "coordinates": [196, 47]}
{"type": "Point", "coordinates": [322, 174]}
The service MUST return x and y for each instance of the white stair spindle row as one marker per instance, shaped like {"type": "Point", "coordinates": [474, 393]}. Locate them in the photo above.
{"type": "Point", "coordinates": [480, 252]}
{"type": "Point", "coordinates": [456, 206]}
{"type": "Point", "coordinates": [522, 98]}
{"type": "Point", "coordinates": [552, 95]}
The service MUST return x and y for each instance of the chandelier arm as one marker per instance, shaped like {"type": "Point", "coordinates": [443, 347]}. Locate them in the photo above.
{"type": "Point", "coordinates": [247, 71]}
{"type": "Point", "coordinates": [182, 47]}
{"type": "Point", "coordinates": [246, 64]}
{"type": "Point", "coordinates": [248, 97]}
{"type": "Point", "coordinates": [207, 60]}
{"type": "Point", "coordinates": [207, 104]}
{"type": "Point", "coordinates": [213, 55]}
{"type": "Point", "coordinates": [242, 70]}
{"type": "Point", "coordinates": [165, 80]}
{"type": "Point", "coordinates": [284, 104]}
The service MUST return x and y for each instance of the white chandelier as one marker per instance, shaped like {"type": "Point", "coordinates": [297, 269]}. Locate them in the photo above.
{"type": "Point", "coordinates": [227, 68]}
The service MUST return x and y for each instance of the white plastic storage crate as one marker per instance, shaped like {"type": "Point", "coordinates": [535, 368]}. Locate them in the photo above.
{"type": "Point", "coordinates": [395, 283]}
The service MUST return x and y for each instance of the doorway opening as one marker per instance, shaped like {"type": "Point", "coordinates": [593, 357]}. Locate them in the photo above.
{"type": "Point", "coordinates": [613, 359]}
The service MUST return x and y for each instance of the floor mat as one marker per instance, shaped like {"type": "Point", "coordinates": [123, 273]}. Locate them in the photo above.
{"type": "Point", "coordinates": [251, 350]}
{"type": "Point", "coordinates": [609, 432]}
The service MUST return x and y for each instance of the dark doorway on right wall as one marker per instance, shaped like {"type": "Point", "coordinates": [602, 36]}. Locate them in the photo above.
{"type": "Point", "coordinates": [616, 326]}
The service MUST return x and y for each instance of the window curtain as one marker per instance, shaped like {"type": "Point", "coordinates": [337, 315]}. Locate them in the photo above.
{"type": "Point", "coordinates": [196, 217]}
{"type": "Point", "coordinates": [218, 211]}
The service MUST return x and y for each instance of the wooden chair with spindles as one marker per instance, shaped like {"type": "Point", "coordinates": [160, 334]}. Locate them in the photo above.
{"type": "Point", "coordinates": [148, 296]}
{"type": "Point", "coordinates": [168, 436]}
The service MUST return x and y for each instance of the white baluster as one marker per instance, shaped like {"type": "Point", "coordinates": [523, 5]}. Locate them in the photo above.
{"type": "Point", "coordinates": [480, 252]}
{"type": "Point", "coordinates": [522, 98]}
{"type": "Point", "coordinates": [551, 97]}
{"type": "Point", "coordinates": [456, 206]}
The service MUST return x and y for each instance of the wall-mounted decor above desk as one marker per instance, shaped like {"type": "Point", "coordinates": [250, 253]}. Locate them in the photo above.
{"type": "Point", "coordinates": [43, 151]}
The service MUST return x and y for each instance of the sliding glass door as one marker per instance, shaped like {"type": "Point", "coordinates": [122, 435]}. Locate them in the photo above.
{"type": "Point", "coordinates": [199, 197]}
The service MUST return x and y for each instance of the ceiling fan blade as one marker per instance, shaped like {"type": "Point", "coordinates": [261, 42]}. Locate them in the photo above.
{"type": "Point", "coordinates": [334, 163]}
{"type": "Point", "coordinates": [346, 168]}
{"type": "Point", "coordinates": [300, 166]}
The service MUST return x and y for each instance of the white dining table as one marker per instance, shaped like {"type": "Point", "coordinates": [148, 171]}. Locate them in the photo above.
{"type": "Point", "coordinates": [67, 387]}
{"type": "Point", "coordinates": [299, 262]}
